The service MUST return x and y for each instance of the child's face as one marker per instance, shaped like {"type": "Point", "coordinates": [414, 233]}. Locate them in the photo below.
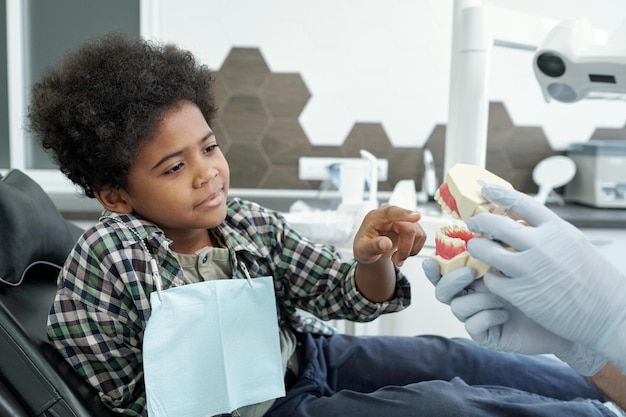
{"type": "Point", "coordinates": [180, 179]}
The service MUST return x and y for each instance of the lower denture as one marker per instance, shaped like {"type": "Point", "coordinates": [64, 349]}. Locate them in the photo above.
{"type": "Point", "coordinates": [451, 250]}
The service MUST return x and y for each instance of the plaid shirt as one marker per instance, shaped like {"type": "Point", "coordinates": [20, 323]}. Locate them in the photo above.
{"type": "Point", "coordinates": [102, 304]}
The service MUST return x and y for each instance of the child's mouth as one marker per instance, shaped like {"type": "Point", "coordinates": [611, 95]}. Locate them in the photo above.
{"type": "Point", "coordinates": [213, 200]}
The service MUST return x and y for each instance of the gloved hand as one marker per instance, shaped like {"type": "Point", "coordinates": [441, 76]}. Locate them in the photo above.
{"type": "Point", "coordinates": [555, 276]}
{"type": "Point", "coordinates": [494, 323]}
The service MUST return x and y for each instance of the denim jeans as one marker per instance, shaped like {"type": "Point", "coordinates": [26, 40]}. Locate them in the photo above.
{"type": "Point", "coordinates": [431, 376]}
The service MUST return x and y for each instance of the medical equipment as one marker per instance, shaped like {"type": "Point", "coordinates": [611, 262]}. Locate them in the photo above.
{"type": "Point", "coordinates": [571, 63]}
{"type": "Point", "coordinates": [553, 172]}
{"type": "Point", "coordinates": [569, 52]}
{"type": "Point", "coordinates": [600, 180]}
{"type": "Point", "coordinates": [476, 29]}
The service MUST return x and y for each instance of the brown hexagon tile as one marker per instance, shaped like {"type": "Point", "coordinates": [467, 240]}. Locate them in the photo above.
{"type": "Point", "coordinates": [522, 180]}
{"type": "Point", "coordinates": [369, 136]}
{"type": "Point", "coordinates": [285, 95]}
{"type": "Point", "coordinates": [404, 163]}
{"type": "Point", "coordinates": [332, 151]}
{"type": "Point", "coordinates": [513, 151]}
{"type": "Point", "coordinates": [497, 161]}
{"type": "Point", "coordinates": [609, 134]}
{"type": "Point", "coordinates": [244, 118]}
{"type": "Point", "coordinates": [284, 142]}
{"type": "Point", "coordinates": [221, 135]}
{"type": "Point", "coordinates": [283, 177]}
{"type": "Point", "coordinates": [311, 184]}
{"type": "Point", "coordinates": [248, 165]}
{"type": "Point", "coordinates": [220, 89]}
{"type": "Point", "coordinates": [499, 125]}
{"type": "Point", "coordinates": [244, 70]}
{"type": "Point", "coordinates": [526, 147]}
{"type": "Point", "coordinates": [258, 129]}
{"type": "Point", "coordinates": [501, 163]}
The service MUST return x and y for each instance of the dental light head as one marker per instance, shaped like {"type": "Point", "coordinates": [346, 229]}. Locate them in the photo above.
{"type": "Point", "coordinates": [571, 64]}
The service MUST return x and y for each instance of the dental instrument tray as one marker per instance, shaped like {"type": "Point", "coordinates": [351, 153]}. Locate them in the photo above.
{"type": "Point", "coordinates": [600, 179]}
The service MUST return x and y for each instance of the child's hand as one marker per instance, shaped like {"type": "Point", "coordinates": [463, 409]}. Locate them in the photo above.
{"type": "Point", "coordinates": [388, 232]}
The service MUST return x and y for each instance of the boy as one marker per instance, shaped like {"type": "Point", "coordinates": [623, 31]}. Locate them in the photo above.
{"type": "Point", "coordinates": [129, 122]}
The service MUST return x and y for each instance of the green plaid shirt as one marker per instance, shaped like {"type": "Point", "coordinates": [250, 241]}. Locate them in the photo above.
{"type": "Point", "coordinates": [102, 304]}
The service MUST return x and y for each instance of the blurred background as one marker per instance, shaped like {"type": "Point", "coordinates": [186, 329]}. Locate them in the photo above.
{"type": "Point", "coordinates": [321, 78]}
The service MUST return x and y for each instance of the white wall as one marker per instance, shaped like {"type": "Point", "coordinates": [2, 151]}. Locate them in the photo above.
{"type": "Point", "coordinates": [367, 60]}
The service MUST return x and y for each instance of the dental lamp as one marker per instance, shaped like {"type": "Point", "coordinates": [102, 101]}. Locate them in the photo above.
{"type": "Point", "coordinates": [571, 64]}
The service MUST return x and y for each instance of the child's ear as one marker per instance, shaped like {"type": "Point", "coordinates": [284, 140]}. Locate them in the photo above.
{"type": "Point", "coordinates": [114, 199]}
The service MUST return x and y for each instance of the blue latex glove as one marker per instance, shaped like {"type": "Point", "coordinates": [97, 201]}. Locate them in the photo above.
{"type": "Point", "coordinates": [496, 324]}
{"type": "Point", "coordinates": [555, 276]}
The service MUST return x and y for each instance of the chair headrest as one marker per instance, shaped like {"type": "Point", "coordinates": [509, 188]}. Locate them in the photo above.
{"type": "Point", "coordinates": [31, 228]}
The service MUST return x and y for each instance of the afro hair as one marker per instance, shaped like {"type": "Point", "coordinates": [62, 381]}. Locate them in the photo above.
{"type": "Point", "coordinates": [106, 98]}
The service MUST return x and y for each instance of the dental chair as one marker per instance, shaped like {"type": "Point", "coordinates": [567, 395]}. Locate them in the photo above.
{"type": "Point", "coordinates": [35, 380]}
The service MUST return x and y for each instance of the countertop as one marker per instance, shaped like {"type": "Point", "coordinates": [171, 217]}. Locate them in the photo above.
{"type": "Point", "coordinates": [590, 217]}
{"type": "Point", "coordinates": [74, 207]}
{"type": "Point", "coordinates": [580, 216]}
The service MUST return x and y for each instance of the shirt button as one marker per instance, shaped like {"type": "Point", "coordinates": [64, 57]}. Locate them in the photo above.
{"type": "Point", "coordinates": [206, 258]}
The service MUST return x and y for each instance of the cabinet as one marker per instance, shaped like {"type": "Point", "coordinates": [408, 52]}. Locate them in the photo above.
{"type": "Point", "coordinates": [425, 315]}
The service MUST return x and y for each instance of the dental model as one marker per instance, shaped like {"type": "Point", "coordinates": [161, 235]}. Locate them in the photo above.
{"type": "Point", "coordinates": [460, 197]}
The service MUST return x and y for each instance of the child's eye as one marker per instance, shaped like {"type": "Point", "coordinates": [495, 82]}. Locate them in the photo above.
{"type": "Point", "coordinates": [211, 148]}
{"type": "Point", "coordinates": [174, 169]}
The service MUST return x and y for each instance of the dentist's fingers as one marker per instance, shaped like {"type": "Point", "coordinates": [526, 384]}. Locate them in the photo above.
{"type": "Point", "coordinates": [469, 305]}
{"type": "Point", "coordinates": [431, 270]}
{"type": "Point", "coordinates": [494, 254]}
{"type": "Point", "coordinates": [524, 206]}
{"type": "Point", "coordinates": [483, 327]}
{"type": "Point", "coordinates": [503, 229]}
{"type": "Point", "coordinates": [454, 283]}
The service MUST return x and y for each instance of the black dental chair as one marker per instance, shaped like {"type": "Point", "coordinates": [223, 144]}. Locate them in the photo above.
{"type": "Point", "coordinates": [34, 242]}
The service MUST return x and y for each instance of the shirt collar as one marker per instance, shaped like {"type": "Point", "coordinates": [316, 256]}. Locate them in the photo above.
{"type": "Point", "coordinates": [130, 228]}
{"type": "Point", "coordinates": [232, 237]}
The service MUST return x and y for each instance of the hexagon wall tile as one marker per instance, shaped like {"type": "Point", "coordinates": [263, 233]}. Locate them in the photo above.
{"type": "Point", "coordinates": [371, 75]}
{"type": "Point", "coordinates": [245, 118]}
{"type": "Point", "coordinates": [285, 95]}
{"type": "Point", "coordinates": [244, 71]}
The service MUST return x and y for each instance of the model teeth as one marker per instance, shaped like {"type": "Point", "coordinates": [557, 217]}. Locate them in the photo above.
{"type": "Point", "coordinates": [443, 235]}
{"type": "Point", "coordinates": [445, 206]}
{"type": "Point", "coordinates": [460, 197]}
{"type": "Point", "coordinates": [452, 242]}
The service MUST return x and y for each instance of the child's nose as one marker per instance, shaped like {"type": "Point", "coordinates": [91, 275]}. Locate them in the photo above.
{"type": "Point", "coordinates": [204, 174]}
